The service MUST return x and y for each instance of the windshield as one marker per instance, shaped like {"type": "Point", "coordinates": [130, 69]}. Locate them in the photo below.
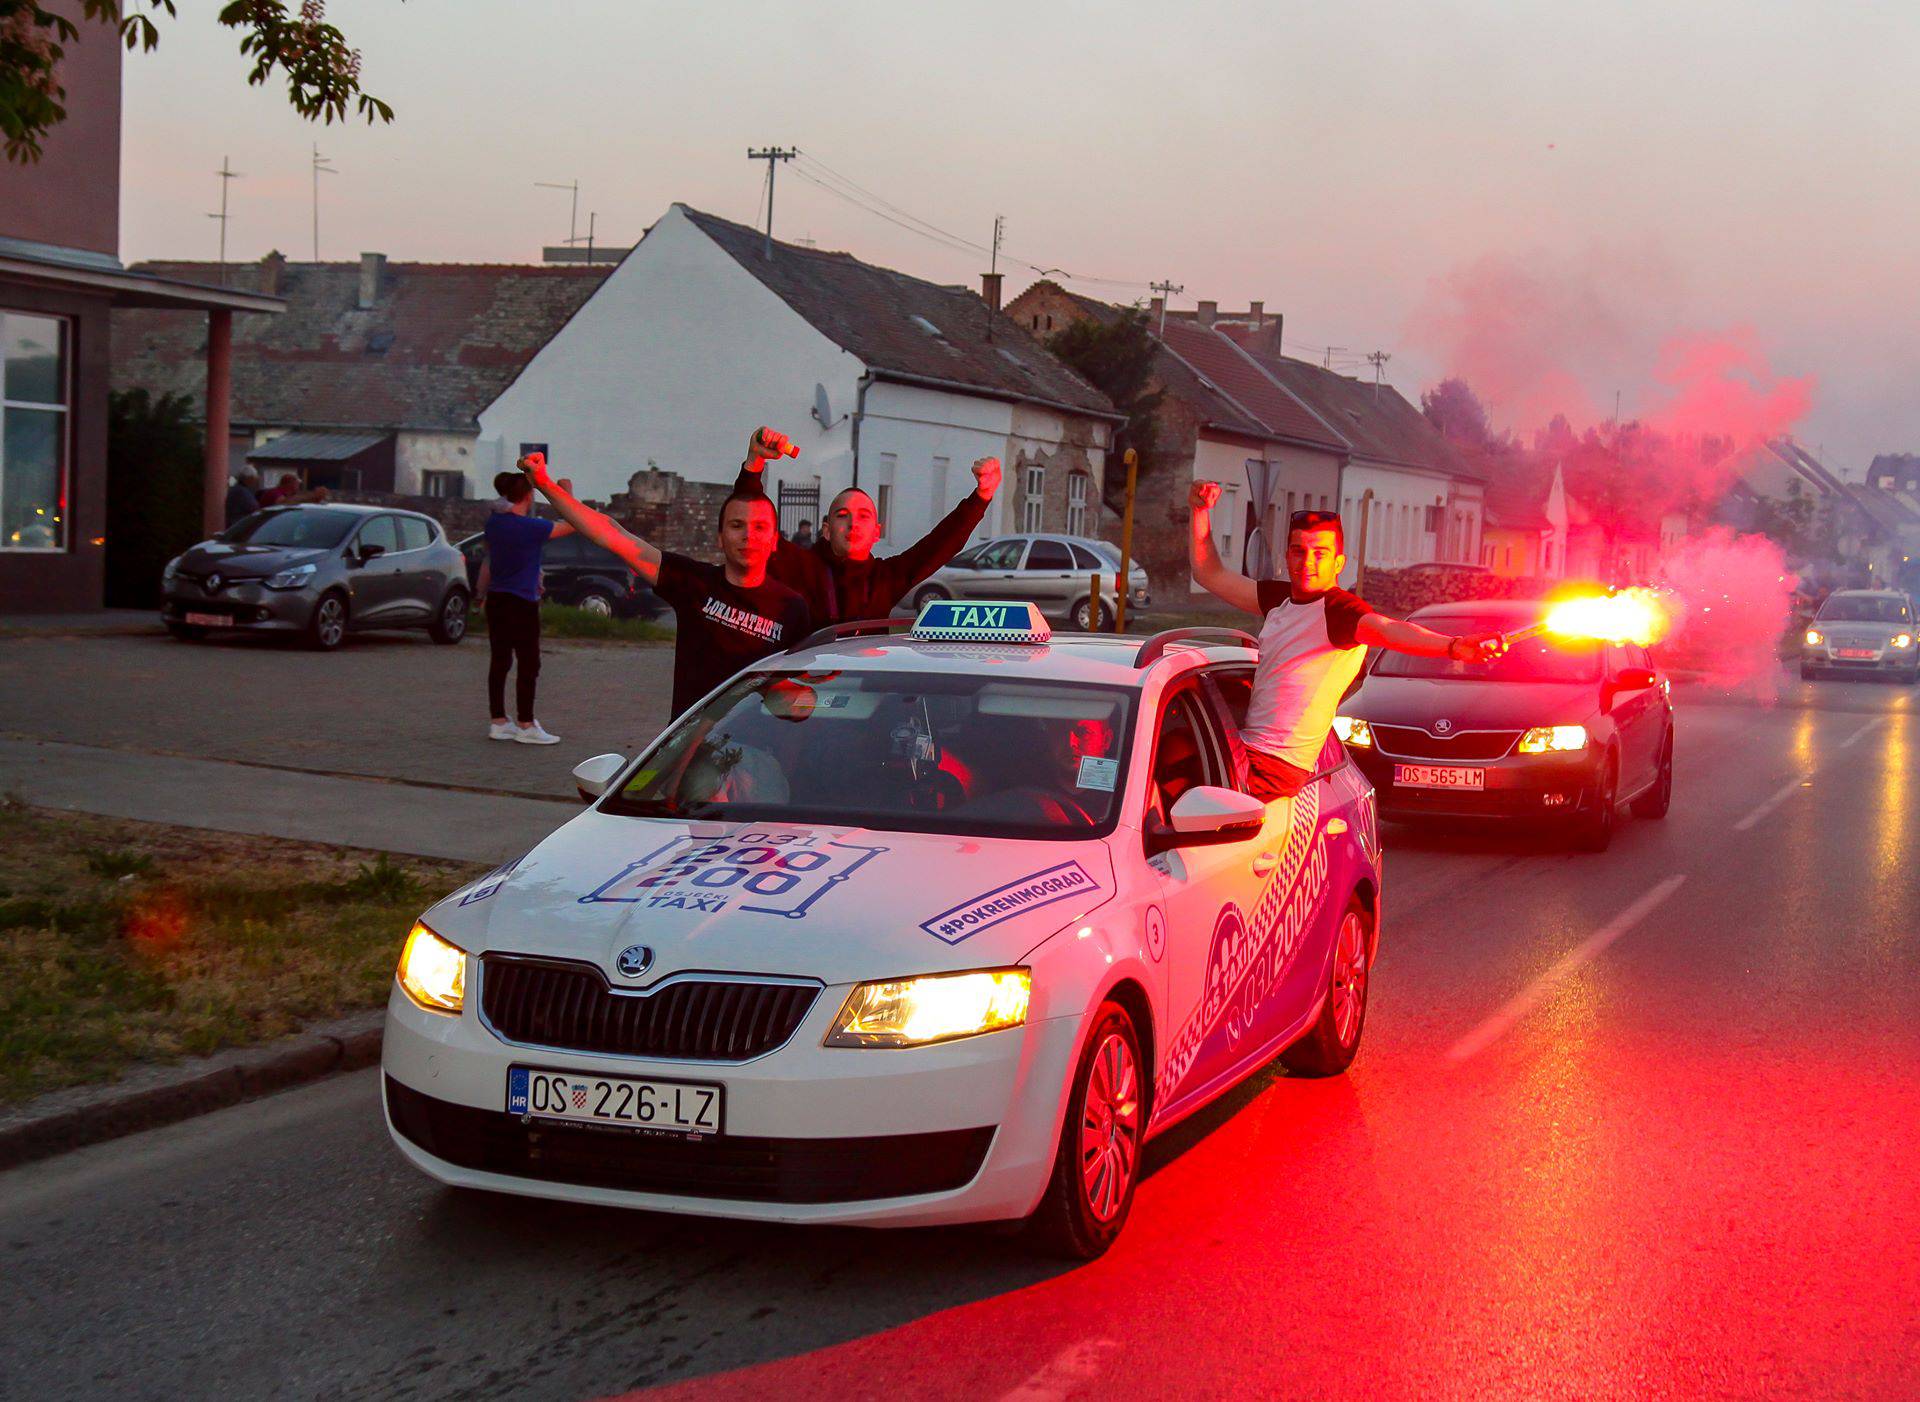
{"type": "Point", "coordinates": [313, 528]}
{"type": "Point", "coordinates": [1864, 608]}
{"type": "Point", "coordinates": [911, 752]}
{"type": "Point", "coordinates": [1529, 660]}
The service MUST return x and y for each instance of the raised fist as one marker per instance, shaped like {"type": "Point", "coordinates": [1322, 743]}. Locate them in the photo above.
{"type": "Point", "coordinates": [986, 473]}
{"type": "Point", "coordinates": [1201, 496]}
{"type": "Point", "coordinates": [766, 443]}
{"type": "Point", "coordinates": [535, 466]}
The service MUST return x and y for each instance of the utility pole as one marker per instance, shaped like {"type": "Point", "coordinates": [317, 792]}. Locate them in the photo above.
{"type": "Point", "coordinates": [1326, 359]}
{"type": "Point", "coordinates": [772, 155]}
{"type": "Point", "coordinates": [321, 166]}
{"type": "Point", "coordinates": [227, 175]}
{"type": "Point", "coordinates": [1167, 291]}
{"type": "Point", "coordinates": [1379, 361]}
{"type": "Point", "coordinates": [573, 215]}
{"type": "Point", "coordinates": [999, 227]}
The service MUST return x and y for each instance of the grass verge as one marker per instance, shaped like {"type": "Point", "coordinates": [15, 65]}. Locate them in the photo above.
{"type": "Point", "coordinates": [560, 621]}
{"type": "Point", "coordinates": [123, 942]}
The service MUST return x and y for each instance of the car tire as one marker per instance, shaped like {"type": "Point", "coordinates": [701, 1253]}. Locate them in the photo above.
{"type": "Point", "coordinates": [597, 602]}
{"type": "Point", "coordinates": [1097, 1167]}
{"type": "Point", "coordinates": [1329, 1048]}
{"type": "Point", "coordinates": [928, 595]}
{"type": "Point", "coordinates": [1084, 620]}
{"type": "Point", "coordinates": [1655, 802]}
{"type": "Point", "coordinates": [1593, 832]}
{"type": "Point", "coordinates": [450, 624]}
{"type": "Point", "coordinates": [186, 632]}
{"type": "Point", "coordinates": [327, 629]}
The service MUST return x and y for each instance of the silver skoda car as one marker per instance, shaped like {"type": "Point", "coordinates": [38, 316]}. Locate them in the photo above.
{"type": "Point", "coordinates": [319, 572]}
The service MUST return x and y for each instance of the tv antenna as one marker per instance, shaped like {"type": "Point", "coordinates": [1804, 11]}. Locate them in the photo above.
{"type": "Point", "coordinates": [573, 215]}
{"type": "Point", "coordinates": [322, 165]}
{"type": "Point", "coordinates": [227, 176]}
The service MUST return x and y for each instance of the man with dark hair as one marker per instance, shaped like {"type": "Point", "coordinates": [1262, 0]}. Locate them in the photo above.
{"type": "Point", "coordinates": [729, 614]}
{"type": "Point", "coordinates": [509, 588]}
{"type": "Point", "coordinates": [838, 574]}
{"type": "Point", "coordinates": [1313, 641]}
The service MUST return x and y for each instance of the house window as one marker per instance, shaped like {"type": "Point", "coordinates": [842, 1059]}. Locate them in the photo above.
{"type": "Point", "coordinates": [439, 483]}
{"type": "Point", "coordinates": [33, 432]}
{"type": "Point", "coordinates": [1032, 509]}
{"type": "Point", "coordinates": [883, 492]}
{"type": "Point", "coordinates": [1077, 503]}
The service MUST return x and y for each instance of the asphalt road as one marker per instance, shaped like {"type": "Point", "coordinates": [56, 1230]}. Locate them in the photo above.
{"type": "Point", "coordinates": [1638, 1124]}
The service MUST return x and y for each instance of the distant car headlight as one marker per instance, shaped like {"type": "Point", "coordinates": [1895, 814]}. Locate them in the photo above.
{"type": "Point", "coordinates": [433, 972]}
{"type": "Point", "coordinates": [295, 578]}
{"type": "Point", "coordinates": [1553, 739]}
{"type": "Point", "coordinates": [1903, 640]}
{"type": "Point", "coordinates": [1354, 732]}
{"type": "Point", "coordinates": [1815, 637]}
{"type": "Point", "coordinates": [913, 1012]}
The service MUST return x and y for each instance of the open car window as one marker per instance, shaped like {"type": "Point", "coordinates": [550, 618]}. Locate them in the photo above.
{"type": "Point", "coordinates": [917, 752]}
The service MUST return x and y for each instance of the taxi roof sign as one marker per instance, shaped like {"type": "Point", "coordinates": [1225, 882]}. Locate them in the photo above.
{"type": "Point", "coordinates": [980, 621]}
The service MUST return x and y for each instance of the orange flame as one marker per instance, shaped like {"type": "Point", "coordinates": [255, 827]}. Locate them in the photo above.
{"type": "Point", "coordinates": [1630, 616]}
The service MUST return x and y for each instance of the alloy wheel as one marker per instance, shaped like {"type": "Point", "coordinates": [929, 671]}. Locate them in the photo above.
{"type": "Point", "coordinates": [1110, 1127]}
{"type": "Point", "coordinates": [1349, 992]}
{"type": "Point", "coordinates": [596, 604]}
{"type": "Point", "coordinates": [453, 617]}
{"type": "Point", "coordinates": [331, 623]}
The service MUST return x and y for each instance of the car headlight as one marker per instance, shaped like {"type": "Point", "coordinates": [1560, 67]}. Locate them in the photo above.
{"type": "Point", "coordinates": [1815, 637]}
{"type": "Point", "coordinates": [1553, 739]}
{"type": "Point", "coordinates": [1353, 731]}
{"type": "Point", "coordinates": [911, 1012]}
{"type": "Point", "coordinates": [433, 972]}
{"type": "Point", "coordinates": [1903, 640]}
{"type": "Point", "coordinates": [294, 578]}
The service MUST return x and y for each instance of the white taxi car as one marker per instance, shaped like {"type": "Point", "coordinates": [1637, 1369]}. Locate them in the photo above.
{"type": "Point", "coordinates": [894, 929]}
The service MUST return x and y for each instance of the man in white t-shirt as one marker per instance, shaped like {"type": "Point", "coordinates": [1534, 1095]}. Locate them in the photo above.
{"type": "Point", "coordinates": [1313, 641]}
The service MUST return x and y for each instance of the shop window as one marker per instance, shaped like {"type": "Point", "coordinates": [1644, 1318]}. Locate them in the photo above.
{"type": "Point", "coordinates": [33, 432]}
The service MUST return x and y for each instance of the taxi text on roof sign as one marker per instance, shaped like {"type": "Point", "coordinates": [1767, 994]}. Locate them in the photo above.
{"type": "Point", "coordinates": [980, 621]}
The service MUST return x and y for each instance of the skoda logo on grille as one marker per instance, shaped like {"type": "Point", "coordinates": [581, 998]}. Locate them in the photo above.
{"type": "Point", "coordinates": [1443, 726]}
{"type": "Point", "coordinates": [213, 583]}
{"type": "Point", "coordinates": [634, 961]}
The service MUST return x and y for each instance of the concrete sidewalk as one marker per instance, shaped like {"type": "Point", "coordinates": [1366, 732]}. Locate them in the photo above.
{"type": "Point", "coordinates": [99, 622]}
{"type": "Point", "coordinates": [386, 816]}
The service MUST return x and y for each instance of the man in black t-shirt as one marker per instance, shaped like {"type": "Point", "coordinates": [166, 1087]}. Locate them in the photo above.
{"type": "Point", "coordinates": [730, 614]}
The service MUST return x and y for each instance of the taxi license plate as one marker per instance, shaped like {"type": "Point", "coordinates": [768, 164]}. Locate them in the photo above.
{"type": "Point", "coordinates": [622, 1102]}
{"type": "Point", "coordinates": [210, 620]}
{"type": "Point", "coordinates": [1438, 776]}
{"type": "Point", "coordinates": [1865, 653]}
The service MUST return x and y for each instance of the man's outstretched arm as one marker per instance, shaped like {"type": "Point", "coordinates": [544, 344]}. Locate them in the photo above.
{"type": "Point", "coordinates": [1209, 571]}
{"type": "Point", "coordinates": [640, 557]}
{"type": "Point", "coordinates": [1400, 635]}
{"type": "Point", "coordinates": [950, 532]}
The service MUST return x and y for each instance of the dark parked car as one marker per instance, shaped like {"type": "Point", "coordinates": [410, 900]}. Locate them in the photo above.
{"type": "Point", "coordinates": [1552, 731]}
{"type": "Point", "coordinates": [319, 572]}
{"type": "Point", "coordinates": [580, 573]}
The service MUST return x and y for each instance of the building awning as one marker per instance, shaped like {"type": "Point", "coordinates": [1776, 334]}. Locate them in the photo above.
{"type": "Point", "coordinates": [316, 447]}
{"type": "Point", "coordinates": [77, 271]}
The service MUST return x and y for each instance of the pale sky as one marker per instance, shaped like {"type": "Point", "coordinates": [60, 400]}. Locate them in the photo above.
{"type": "Point", "coordinates": [1652, 169]}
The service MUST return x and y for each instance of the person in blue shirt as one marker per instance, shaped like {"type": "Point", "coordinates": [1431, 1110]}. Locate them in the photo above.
{"type": "Point", "coordinates": [510, 585]}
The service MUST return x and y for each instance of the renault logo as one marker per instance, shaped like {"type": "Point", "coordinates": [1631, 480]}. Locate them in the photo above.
{"type": "Point", "coordinates": [1443, 726]}
{"type": "Point", "coordinates": [634, 961]}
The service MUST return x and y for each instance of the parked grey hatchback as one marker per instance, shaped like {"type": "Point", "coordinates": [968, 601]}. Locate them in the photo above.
{"type": "Point", "coordinates": [1052, 571]}
{"type": "Point", "coordinates": [318, 572]}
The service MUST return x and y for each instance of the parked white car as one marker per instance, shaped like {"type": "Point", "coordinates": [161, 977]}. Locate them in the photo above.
{"type": "Point", "coordinates": [894, 929]}
{"type": "Point", "coordinates": [1052, 571]}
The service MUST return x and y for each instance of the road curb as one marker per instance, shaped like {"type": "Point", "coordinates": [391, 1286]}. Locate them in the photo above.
{"type": "Point", "coordinates": [159, 1095]}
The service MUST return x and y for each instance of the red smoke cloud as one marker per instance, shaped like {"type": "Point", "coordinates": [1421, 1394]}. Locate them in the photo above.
{"type": "Point", "coordinates": [1735, 597]}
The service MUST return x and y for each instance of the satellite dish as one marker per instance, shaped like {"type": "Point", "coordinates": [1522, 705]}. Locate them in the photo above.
{"type": "Point", "coordinates": [822, 408]}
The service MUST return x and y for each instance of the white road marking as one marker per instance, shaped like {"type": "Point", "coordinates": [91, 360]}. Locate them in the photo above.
{"type": "Point", "coordinates": [1863, 732]}
{"type": "Point", "coordinates": [1070, 1370]}
{"type": "Point", "coordinates": [1585, 952]}
{"type": "Point", "coordinates": [1785, 792]}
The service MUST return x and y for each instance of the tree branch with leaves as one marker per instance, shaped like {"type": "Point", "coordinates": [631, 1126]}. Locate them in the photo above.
{"type": "Point", "coordinates": [322, 72]}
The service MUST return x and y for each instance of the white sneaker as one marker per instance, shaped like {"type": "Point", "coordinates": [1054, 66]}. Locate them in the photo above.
{"type": "Point", "coordinates": [534, 735]}
{"type": "Point", "coordinates": [501, 730]}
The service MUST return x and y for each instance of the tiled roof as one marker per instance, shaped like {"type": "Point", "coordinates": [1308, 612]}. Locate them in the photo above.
{"type": "Point", "coordinates": [1516, 494]}
{"type": "Point", "coordinates": [1233, 373]}
{"type": "Point", "coordinates": [903, 324]}
{"type": "Point", "coordinates": [1375, 418]}
{"type": "Point", "coordinates": [439, 343]}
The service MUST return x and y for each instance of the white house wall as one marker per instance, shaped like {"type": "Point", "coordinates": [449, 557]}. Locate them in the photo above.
{"type": "Point", "coordinates": [1306, 478]}
{"type": "Point", "coordinates": [1396, 533]}
{"type": "Point", "coordinates": [677, 357]}
{"type": "Point", "coordinates": [419, 451]}
{"type": "Point", "coordinates": [907, 435]}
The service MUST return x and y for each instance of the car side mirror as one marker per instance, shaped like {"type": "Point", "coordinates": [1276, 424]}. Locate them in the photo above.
{"type": "Point", "coordinates": [1207, 813]}
{"type": "Point", "coordinates": [1634, 679]}
{"type": "Point", "coordinates": [592, 776]}
{"type": "Point", "coordinates": [367, 552]}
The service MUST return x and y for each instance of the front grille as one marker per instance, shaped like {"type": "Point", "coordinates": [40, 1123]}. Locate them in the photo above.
{"type": "Point", "coordinates": [717, 1166]}
{"type": "Point", "coordinates": [551, 1003]}
{"type": "Point", "coordinates": [1410, 742]}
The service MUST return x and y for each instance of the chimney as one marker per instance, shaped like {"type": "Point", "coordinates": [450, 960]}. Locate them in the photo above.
{"type": "Point", "coordinates": [271, 268]}
{"type": "Point", "coordinates": [1258, 311]}
{"type": "Point", "coordinates": [990, 289]}
{"type": "Point", "coordinates": [372, 265]}
{"type": "Point", "coordinates": [1157, 310]}
{"type": "Point", "coordinates": [1268, 339]}
{"type": "Point", "coordinates": [1208, 311]}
